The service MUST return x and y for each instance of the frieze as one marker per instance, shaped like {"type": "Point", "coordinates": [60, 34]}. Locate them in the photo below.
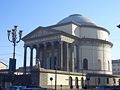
{"type": "Point", "coordinates": [67, 39]}
{"type": "Point", "coordinates": [40, 40]}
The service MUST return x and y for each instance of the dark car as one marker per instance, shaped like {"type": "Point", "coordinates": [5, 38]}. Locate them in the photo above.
{"type": "Point", "coordinates": [34, 89]}
{"type": "Point", "coordinates": [16, 88]}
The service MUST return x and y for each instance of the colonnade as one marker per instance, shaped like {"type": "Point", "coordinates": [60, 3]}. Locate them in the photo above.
{"type": "Point", "coordinates": [54, 55]}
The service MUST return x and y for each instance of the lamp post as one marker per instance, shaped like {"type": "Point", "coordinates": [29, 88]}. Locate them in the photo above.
{"type": "Point", "coordinates": [61, 86]}
{"type": "Point", "coordinates": [88, 78]}
{"type": "Point", "coordinates": [55, 77]}
{"type": "Point", "coordinates": [14, 38]}
{"type": "Point", "coordinates": [51, 82]}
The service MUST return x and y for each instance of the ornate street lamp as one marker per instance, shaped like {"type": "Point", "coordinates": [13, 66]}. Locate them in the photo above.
{"type": "Point", "coordinates": [14, 38]}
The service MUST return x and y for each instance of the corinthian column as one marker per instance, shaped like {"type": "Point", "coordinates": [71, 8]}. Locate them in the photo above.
{"type": "Point", "coordinates": [61, 54]}
{"type": "Point", "coordinates": [53, 62]}
{"type": "Point", "coordinates": [77, 57]}
{"type": "Point", "coordinates": [44, 56]}
{"type": "Point", "coordinates": [65, 57]}
{"type": "Point", "coordinates": [70, 58]}
{"type": "Point", "coordinates": [67, 45]}
{"type": "Point", "coordinates": [37, 53]}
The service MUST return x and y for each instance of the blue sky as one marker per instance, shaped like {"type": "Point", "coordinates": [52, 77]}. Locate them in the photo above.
{"type": "Point", "coordinates": [29, 14]}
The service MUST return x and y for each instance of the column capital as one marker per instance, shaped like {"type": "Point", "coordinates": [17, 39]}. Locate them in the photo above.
{"type": "Point", "coordinates": [25, 46]}
{"type": "Point", "coordinates": [76, 45]}
{"type": "Point", "coordinates": [31, 47]}
{"type": "Point", "coordinates": [60, 42]}
{"type": "Point", "coordinates": [52, 43]}
{"type": "Point", "coordinates": [37, 44]}
{"type": "Point", "coordinates": [44, 44]}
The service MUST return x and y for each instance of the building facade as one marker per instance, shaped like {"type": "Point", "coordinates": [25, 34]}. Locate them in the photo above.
{"type": "Point", "coordinates": [75, 44]}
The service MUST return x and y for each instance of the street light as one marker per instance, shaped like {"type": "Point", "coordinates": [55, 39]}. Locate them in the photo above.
{"type": "Point", "coordinates": [14, 38]}
{"type": "Point", "coordinates": [55, 77]}
{"type": "Point", "coordinates": [88, 78]}
{"type": "Point", "coordinates": [51, 81]}
{"type": "Point", "coordinates": [61, 86]}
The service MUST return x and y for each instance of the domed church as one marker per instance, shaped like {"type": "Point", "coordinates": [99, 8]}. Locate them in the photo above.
{"type": "Point", "coordinates": [72, 54]}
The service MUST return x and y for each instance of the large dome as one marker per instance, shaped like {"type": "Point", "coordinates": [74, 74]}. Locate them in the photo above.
{"type": "Point", "coordinates": [78, 19]}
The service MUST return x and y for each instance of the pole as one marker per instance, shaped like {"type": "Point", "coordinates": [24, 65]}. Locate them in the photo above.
{"type": "Point", "coordinates": [14, 51]}
{"type": "Point", "coordinates": [61, 86]}
{"type": "Point", "coordinates": [55, 78]}
{"type": "Point", "coordinates": [51, 82]}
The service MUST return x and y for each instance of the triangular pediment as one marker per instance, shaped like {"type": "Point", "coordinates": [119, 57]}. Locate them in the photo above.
{"type": "Point", "coordinates": [40, 32]}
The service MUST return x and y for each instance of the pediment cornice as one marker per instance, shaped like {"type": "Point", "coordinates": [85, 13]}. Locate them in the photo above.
{"type": "Point", "coordinates": [40, 32]}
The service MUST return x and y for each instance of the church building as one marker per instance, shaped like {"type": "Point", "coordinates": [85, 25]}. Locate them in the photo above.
{"type": "Point", "coordinates": [74, 53]}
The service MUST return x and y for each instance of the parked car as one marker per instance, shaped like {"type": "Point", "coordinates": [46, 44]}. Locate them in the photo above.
{"type": "Point", "coordinates": [34, 89]}
{"type": "Point", "coordinates": [108, 88]}
{"type": "Point", "coordinates": [16, 88]}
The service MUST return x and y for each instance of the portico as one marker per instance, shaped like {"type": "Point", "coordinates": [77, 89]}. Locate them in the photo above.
{"type": "Point", "coordinates": [55, 52]}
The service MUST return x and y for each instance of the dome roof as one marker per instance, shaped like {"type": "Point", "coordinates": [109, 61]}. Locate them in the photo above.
{"type": "Point", "coordinates": [78, 19]}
